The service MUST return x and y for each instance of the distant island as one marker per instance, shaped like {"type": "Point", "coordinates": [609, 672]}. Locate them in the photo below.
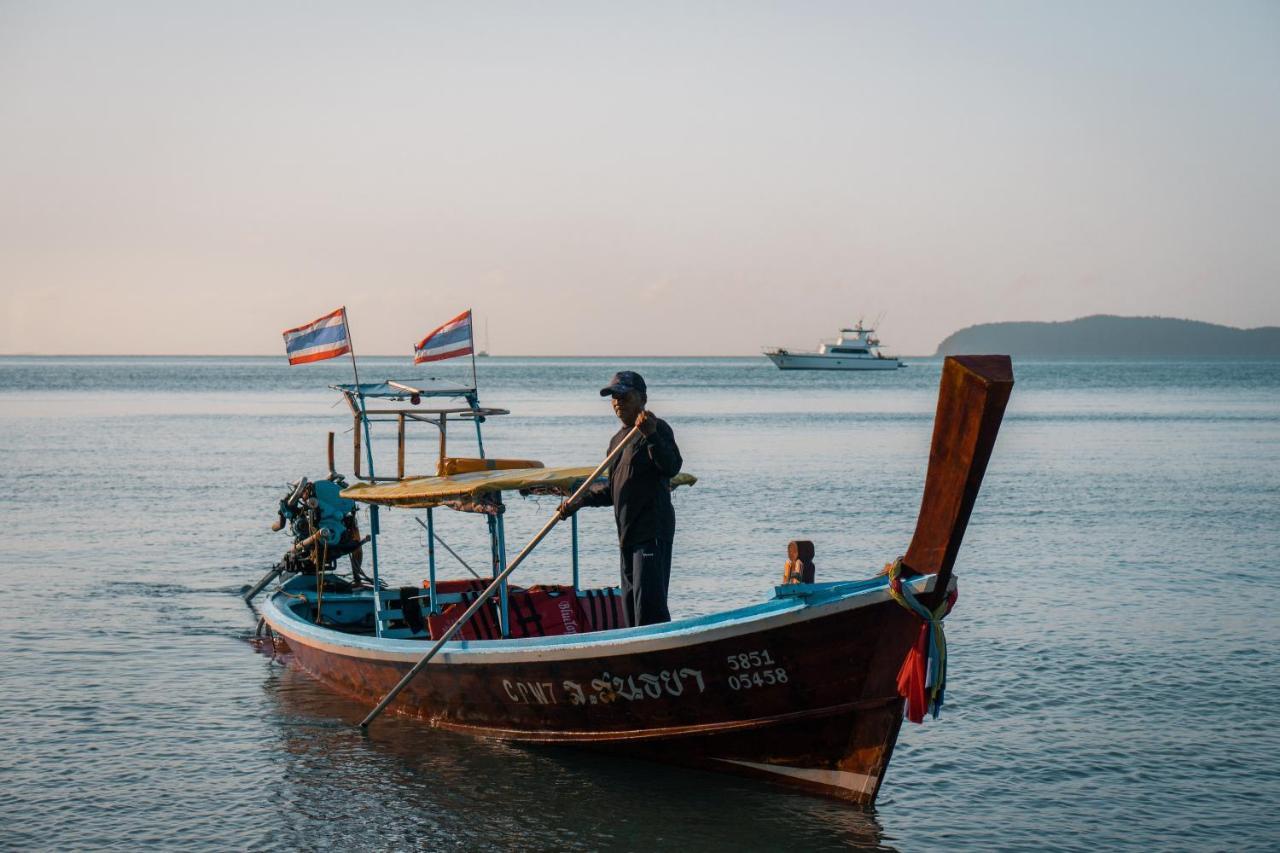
{"type": "Point", "coordinates": [1106, 336]}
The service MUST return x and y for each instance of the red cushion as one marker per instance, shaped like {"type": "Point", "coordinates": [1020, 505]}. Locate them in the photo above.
{"type": "Point", "coordinates": [482, 626]}
{"type": "Point", "coordinates": [540, 611]}
{"type": "Point", "coordinates": [545, 611]}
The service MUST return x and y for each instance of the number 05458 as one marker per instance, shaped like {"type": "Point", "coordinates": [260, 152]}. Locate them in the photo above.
{"type": "Point", "coordinates": [750, 670]}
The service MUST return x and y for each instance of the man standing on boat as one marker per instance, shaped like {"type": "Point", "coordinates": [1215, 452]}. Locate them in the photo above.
{"type": "Point", "coordinates": [639, 490]}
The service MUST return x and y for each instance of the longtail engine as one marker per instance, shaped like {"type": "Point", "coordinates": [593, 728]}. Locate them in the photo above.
{"type": "Point", "coordinates": [324, 528]}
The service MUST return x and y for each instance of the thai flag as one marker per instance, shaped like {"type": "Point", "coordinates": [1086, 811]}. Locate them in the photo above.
{"type": "Point", "coordinates": [319, 339]}
{"type": "Point", "coordinates": [452, 339]}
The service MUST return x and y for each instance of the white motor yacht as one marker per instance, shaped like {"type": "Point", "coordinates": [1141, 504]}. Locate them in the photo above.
{"type": "Point", "coordinates": [854, 349]}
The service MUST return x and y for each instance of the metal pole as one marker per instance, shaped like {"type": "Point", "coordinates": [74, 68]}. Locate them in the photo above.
{"type": "Point", "coordinates": [351, 350]}
{"type": "Point", "coordinates": [377, 585]}
{"type": "Point", "coordinates": [374, 528]}
{"type": "Point", "coordinates": [364, 417]}
{"type": "Point", "coordinates": [368, 434]}
{"type": "Point", "coordinates": [276, 570]}
{"type": "Point", "coordinates": [400, 446]}
{"type": "Point", "coordinates": [483, 598]}
{"type": "Point", "coordinates": [445, 545]}
{"type": "Point", "coordinates": [471, 324]}
{"type": "Point", "coordinates": [503, 617]}
{"type": "Point", "coordinates": [497, 530]}
{"type": "Point", "coordinates": [573, 527]}
{"type": "Point", "coordinates": [473, 400]}
{"type": "Point", "coordinates": [355, 445]}
{"type": "Point", "coordinates": [431, 559]}
{"type": "Point", "coordinates": [494, 568]}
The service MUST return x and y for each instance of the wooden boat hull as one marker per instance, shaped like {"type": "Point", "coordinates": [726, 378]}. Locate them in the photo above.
{"type": "Point", "coordinates": [800, 690]}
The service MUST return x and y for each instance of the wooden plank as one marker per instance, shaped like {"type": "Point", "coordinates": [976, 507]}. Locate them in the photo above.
{"type": "Point", "coordinates": [444, 420]}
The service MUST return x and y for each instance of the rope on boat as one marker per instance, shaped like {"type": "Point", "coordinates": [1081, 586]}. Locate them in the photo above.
{"type": "Point", "coordinates": [320, 568]}
{"type": "Point", "coordinates": [922, 681]}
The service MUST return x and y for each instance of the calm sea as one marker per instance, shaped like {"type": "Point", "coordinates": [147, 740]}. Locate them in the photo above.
{"type": "Point", "coordinates": [1113, 683]}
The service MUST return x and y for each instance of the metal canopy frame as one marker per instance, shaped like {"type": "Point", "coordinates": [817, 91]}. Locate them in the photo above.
{"type": "Point", "coordinates": [403, 389]}
{"type": "Point", "coordinates": [357, 396]}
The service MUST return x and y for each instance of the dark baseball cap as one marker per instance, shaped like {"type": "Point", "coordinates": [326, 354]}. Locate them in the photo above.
{"type": "Point", "coordinates": [622, 382]}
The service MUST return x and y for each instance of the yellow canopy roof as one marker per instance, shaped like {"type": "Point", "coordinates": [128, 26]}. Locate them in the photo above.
{"type": "Point", "coordinates": [433, 491]}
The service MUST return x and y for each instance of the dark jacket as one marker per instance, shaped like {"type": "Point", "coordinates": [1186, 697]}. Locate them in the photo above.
{"type": "Point", "coordinates": [639, 489]}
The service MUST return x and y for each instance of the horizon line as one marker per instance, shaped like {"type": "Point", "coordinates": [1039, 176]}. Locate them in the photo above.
{"type": "Point", "coordinates": [408, 358]}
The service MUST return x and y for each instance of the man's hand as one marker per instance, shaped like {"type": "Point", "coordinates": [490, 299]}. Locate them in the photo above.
{"type": "Point", "coordinates": [566, 509]}
{"type": "Point", "coordinates": [648, 423]}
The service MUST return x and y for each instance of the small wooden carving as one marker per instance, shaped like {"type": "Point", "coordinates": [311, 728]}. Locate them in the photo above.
{"type": "Point", "coordinates": [799, 568]}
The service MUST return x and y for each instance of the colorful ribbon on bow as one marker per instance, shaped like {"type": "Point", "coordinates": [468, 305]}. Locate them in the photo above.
{"type": "Point", "coordinates": [922, 680]}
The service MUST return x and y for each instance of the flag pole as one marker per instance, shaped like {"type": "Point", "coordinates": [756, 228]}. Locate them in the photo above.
{"type": "Point", "coordinates": [364, 417]}
{"type": "Point", "coordinates": [351, 349]}
{"type": "Point", "coordinates": [471, 324]}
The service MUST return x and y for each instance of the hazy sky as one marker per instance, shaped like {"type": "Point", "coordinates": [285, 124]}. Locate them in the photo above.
{"type": "Point", "coordinates": [629, 178]}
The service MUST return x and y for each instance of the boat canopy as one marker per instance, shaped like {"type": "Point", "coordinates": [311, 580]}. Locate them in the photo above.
{"type": "Point", "coordinates": [403, 389]}
{"type": "Point", "coordinates": [421, 492]}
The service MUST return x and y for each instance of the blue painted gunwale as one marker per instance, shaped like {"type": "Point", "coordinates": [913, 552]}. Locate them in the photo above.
{"type": "Point", "coordinates": [799, 601]}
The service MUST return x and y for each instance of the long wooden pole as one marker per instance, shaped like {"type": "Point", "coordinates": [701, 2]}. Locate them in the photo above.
{"type": "Point", "coordinates": [483, 598]}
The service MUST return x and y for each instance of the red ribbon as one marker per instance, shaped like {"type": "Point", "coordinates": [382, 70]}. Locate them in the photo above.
{"type": "Point", "coordinates": [911, 677]}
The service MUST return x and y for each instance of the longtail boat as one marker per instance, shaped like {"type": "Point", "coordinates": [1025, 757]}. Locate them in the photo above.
{"type": "Point", "coordinates": [805, 688]}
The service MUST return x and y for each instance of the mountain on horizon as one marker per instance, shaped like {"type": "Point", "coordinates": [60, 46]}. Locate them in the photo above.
{"type": "Point", "coordinates": [1109, 336]}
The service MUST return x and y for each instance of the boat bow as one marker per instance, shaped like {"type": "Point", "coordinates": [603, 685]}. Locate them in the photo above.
{"type": "Point", "coordinates": [971, 402]}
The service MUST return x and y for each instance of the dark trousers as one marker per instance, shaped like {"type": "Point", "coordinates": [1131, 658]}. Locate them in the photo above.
{"type": "Point", "coordinates": [646, 571]}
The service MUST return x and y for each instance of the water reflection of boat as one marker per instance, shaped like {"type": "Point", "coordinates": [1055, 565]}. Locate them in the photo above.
{"type": "Point", "coordinates": [801, 689]}
{"type": "Point", "coordinates": [486, 793]}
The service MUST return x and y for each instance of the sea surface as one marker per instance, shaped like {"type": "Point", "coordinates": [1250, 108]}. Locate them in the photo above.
{"type": "Point", "coordinates": [1113, 655]}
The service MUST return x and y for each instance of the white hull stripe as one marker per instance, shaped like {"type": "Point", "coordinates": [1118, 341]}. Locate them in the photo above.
{"type": "Point", "coordinates": [858, 782]}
